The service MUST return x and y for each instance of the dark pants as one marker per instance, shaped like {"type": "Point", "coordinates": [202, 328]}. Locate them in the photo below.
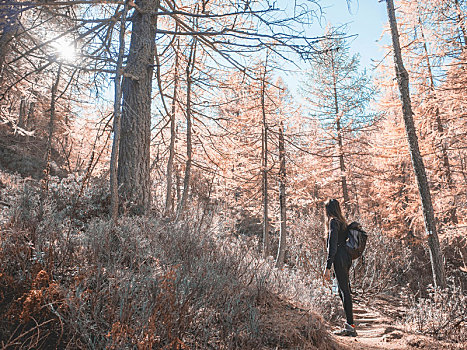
{"type": "Point", "coordinates": [342, 263]}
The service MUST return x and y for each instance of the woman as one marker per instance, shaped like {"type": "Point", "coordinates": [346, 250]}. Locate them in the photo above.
{"type": "Point", "coordinates": [337, 255]}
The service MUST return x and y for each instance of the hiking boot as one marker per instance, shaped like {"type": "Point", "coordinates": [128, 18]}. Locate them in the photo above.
{"type": "Point", "coordinates": [347, 331]}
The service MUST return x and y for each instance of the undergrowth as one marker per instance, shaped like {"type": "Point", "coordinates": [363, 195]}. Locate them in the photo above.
{"type": "Point", "coordinates": [71, 279]}
{"type": "Point", "coordinates": [442, 314]}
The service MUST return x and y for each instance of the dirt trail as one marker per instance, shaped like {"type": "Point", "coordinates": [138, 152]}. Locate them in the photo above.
{"type": "Point", "coordinates": [378, 328]}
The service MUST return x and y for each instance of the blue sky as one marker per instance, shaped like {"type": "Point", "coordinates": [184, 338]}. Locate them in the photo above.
{"type": "Point", "coordinates": [365, 19]}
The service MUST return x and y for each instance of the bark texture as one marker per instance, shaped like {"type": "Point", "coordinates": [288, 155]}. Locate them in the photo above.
{"type": "Point", "coordinates": [437, 264]}
{"type": "Point", "coordinates": [22, 113]}
{"type": "Point", "coordinates": [189, 131]}
{"type": "Point", "coordinates": [134, 153]}
{"type": "Point", "coordinates": [264, 156]}
{"type": "Point", "coordinates": [345, 189]}
{"type": "Point", "coordinates": [30, 118]}
{"type": "Point", "coordinates": [169, 201]}
{"type": "Point", "coordinates": [51, 128]}
{"type": "Point", "coordinates": [282, 200]}
{"type": "Point", "coordinates": [117, 118]}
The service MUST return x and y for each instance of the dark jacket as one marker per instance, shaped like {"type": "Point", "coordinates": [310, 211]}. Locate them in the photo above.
{"type": "Point", "coordinates": [336, 238]}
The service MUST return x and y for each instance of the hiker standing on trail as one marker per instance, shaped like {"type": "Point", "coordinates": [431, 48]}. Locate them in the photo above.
{"type": "Point", "coordinates": [340, 258]}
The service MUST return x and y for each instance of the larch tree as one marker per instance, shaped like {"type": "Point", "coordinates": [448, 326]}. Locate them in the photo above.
{"type": "Point", "coordinates": [114, 202]}
{"type": "Point", "coordinates": [224, 32]}
{"type": "Point", "coordinates": [134, 153]}
{"type": "Point", "coordinates": [437, 264]}
{"type": "Point", "coordinates": [430, 38]}
{"type": "Point", "coordinates": [395, 207]}
{"type": "Point", "coordinates": [252, 139]}
{"type": "Point", "coordinates": [282, 199]}
{"type": "Point", "coordinates": [451, 98]}
{"type": "Point", "coordinates": [189, 128]}
{"type": "Point", "coordinates": [264, 163]}
{"type": "Point", "coordinates": [338, 95]}
{"type": "Point", "coordinates": [169, 200]}
{"type": "Point", "coordinates": [246, 120]}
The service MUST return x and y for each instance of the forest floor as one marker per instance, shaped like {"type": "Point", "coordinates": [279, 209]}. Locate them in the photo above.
{"type": "Point", "coordinates": [378, 320]}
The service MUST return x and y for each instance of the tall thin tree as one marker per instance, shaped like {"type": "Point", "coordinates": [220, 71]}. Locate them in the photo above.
{"type": "Point", "coordinates": [117, 117]}
{"type": "Point", "coordinates": [189, 131]}
{"type": "Point", "coordinates": [264, 158]}
{"type": "Point", "coordinates": [437, 264]}
{"type": "Point", "coordinates": [339, 94]}
{"type": "Point", "coordinates": [282, 200]}
{"type": "Point", "coordinates": [52, 118]}
{"type": "Point", "coordinates": [170, 163]}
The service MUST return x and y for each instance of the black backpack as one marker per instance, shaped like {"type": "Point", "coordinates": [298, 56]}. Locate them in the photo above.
{"type": "Point", "coordinates": [356, 240]}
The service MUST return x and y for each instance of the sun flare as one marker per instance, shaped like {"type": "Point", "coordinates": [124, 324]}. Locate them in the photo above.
{"type": "Point", "coordinates": [64, 49]}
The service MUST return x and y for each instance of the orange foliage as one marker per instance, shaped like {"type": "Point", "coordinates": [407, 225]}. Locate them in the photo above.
{"type": "Point", "coordinates": [33, 303]}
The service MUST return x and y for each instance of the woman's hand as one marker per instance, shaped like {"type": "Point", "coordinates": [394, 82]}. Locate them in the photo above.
{"type": "Point", "coordinates": [327, 275]}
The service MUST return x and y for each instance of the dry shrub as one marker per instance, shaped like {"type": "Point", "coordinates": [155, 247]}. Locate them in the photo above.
{"type": "Point", "coordinates": [301, 289]}
{"type": "Point", "coordinates": [442, 314]}
{"type": "Point", "coordinates": [33, 320]}
{"type": "Point", "coordinates": [454, 245]}
{"type": "Point", "coordinates": [163, 285]}
{"type": "Point", "coordinates": [291, 327]}
{"type": "Point", "coordinates": [80, 282]}
{"type": "Point", "coordinates": [73, 198]}
{"type": "Point", "coordinates": [147, 285]}
{"type": "Point", "coordinates": [325, 303]}
{"type": "Point", "coordinates": [386, 264]}
{"type": "Point", "coordinates": [307, 244]}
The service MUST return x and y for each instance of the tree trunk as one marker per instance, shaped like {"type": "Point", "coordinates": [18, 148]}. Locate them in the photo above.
{"type": "Point", "coordinates": [447, 168]}
{"type": "Point", "coordinates": [51, 129]}
{"type": "Point", "coordinates": [4, 47]}
{"type": "Point", "coordinates": [282, 200]}
{"type": "Point", "coordinates": [345, 190]}
{"type": "Point", "coordinates": [437, 264]}
{"type": "Point", "coordinates": [463, 161]}
{"type": "Point", "coordinates": [22, 113]}
{"type": "Point", "coordinates": [402, 193]}
{"type": "Point", "coordinates": [264, 156]}
{"type": "Point", "coordinates": [357, 202]}
{"type": "Point", "coordinates": [178, 183]}
{"type": "Point", "coordinates": [30, 118]}
{"type": "Point", "coordinates": [189, 145]}
{"type": "Point", "coordinates": [134, 151]}
{"type": "Point", "coordinates": [117, 118]}
{"type": "Point", "coordinates": [170, 163]}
